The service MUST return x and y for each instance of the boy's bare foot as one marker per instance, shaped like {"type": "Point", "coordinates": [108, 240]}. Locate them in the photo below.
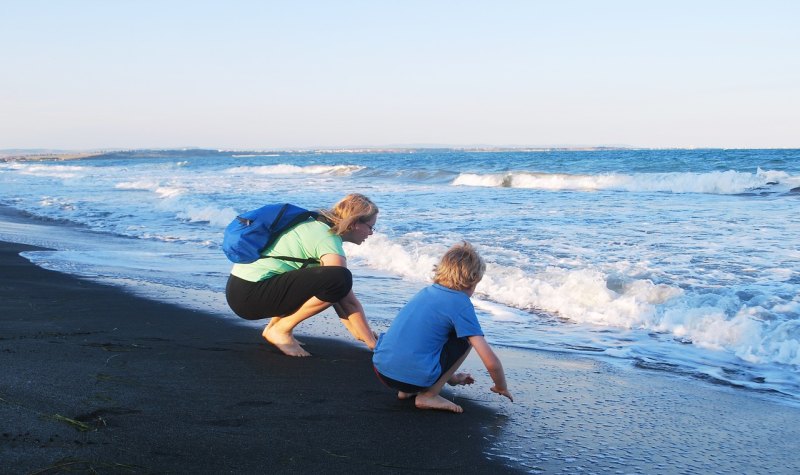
{"type": "Point", "coordinates": [284, 342]}
{"type": "Point", "coordinates": [402, 395]}
{"type": "Point", "coordinates": [460, 379]}
{"type": "Point", "coordinates": [437, 402]}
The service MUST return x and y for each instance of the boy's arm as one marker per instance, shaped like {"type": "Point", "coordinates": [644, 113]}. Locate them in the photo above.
{"type": "Point", "coordinates": [493, 365]}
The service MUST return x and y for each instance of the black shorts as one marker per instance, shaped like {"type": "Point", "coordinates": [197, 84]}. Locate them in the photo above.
{"type": "Point", "coordinates": [285, 293]}
{"type": "Point", "coordinates": [452, 351]}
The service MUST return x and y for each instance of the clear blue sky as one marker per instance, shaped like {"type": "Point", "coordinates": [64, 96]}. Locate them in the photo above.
{"type": "Point", "coordinates": [80, 74]}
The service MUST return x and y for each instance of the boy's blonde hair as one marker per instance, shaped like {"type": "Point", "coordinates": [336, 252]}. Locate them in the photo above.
{"type": "Point", "coordinates": [348, 211]}
{"type": "Point", "coordinates": [460, 268]}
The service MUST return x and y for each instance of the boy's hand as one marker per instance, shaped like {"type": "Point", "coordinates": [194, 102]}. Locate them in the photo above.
{"type": "Point", "coordinates": [503, 392]}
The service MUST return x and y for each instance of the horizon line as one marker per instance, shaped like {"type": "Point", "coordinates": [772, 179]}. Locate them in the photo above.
{"type": "Point", "coordinates": [31, 152]}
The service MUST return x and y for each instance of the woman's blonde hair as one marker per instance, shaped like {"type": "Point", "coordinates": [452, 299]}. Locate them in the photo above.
{"type": "Point", "coordinates": [461, 267]}
{"type": "Point", "coordinates": [348, 211]}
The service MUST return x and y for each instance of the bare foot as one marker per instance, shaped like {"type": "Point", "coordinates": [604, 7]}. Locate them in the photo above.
{"type": "Point", "coordinates": [461, 379]}
{"type": "Point", "coordinates": [284, 342]}
{"type": "Point", "coordinates": [437, 402]}
{"type": "Point", "coordinates": [402, 395]}
{"type": "Point", "coordinates": [272, 322]}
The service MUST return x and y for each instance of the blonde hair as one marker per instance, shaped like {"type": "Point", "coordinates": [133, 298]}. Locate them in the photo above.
{"type": "Point", "coordinates": [348, 211]}
{"type": "Point", "coordinates": [460, 268]}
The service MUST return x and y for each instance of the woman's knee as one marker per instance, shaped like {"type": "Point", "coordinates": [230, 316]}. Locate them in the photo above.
{"type": "Point", "coordinates": [338, 285]}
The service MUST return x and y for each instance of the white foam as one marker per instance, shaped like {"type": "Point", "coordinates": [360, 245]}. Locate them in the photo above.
{"type": "Point", "coordinates": [728, 182]}
{"type": "Point", "coordinates": [581, 295]}
{"type": "Point", "coordinates": [169, 191]}
{"type": "Point", "coordinates": [208, 214]}
{"type": "Point", "coordinates": [411, 260]}
{"type": "Point", "coordinates": [47, 170]}
{"type": "Point", "coordinates": [144, 185]}
{"type": "Point", "coordinates": [60, 203]}
{"type": "Point", "coordinates": [498, 312]}
{"type": "Point", "coordinates": [593, 297]}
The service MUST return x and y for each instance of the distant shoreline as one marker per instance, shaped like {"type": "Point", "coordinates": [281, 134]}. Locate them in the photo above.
{"type": "Point", "coordinates": [8, 155]}
{"type": "Point", "coordinates": [30, 157]}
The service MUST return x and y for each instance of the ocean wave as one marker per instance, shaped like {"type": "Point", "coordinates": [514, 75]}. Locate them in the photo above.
{"type": "Point", "coordinates": [154, 186]}
{"type": "Point", "coordinates": [410, 175]}
{"type": "Point", "coordinates": [285, 169]}
{"type": "Point", "coordinates": [141, 185]}
{"type": "Point", "coordinates": [755, 331]}
{"type": "Point", "coordinates": [257, 155]}
{"type": "Point", "coordinates": [721, 182]}
{"type": "Point", "coordinates": [207, 214]}
{"type": "Point", "coordinates": [46, 170]}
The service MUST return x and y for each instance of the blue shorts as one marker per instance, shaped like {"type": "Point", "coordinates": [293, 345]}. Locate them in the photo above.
{"type": "Point", "coordinates": [452, 351]}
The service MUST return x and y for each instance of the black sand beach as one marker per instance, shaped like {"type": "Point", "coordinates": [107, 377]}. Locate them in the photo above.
{"type": "Point", "coordinates": [98, 381]}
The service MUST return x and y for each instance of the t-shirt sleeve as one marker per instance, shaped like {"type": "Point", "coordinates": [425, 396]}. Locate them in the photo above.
{"type": "Point", "coordinates": [466, 322]}
{"type": "Point", "coordinates": [329, 244]}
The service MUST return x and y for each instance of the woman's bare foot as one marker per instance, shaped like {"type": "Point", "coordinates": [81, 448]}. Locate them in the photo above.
{"type": "Point", "coordinates": [402, 395]}
{"type": "Point", "coordinates": [284, 341]}
{"type": "Point", "coordinates": [460, 379]}
{"type": "Point", "coordinates": [437, 402]}
{"type": "Point", "coordinates": [272, 322]}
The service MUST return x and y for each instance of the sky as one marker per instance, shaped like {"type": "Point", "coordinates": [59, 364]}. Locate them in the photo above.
{"type": "Point", "coordinates": [258, 75]}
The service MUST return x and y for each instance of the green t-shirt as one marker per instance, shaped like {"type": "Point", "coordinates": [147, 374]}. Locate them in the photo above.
{"type": "Point", "coordinates": [309, 239]}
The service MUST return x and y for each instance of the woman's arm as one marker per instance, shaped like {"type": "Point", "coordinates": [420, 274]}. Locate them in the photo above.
{"type": "Point", "coordinates": [350, 309]}
{"type": "Point", "coordinates": [492, 364]}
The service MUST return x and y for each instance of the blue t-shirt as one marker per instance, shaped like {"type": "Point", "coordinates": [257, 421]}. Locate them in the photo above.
{"type": "Point", "coordinates": [409, 351]}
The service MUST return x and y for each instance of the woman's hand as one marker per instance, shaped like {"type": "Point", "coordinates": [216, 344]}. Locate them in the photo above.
{"type": "Point", "coordinates": [503, 392]}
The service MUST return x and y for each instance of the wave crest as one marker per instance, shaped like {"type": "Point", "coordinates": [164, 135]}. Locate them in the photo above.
{"type": "Point", "coordinates": [285, 169]}
{"type": "Point", "coordinates": [727, 182]}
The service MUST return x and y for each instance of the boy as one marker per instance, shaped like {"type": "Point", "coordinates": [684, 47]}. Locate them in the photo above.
{"type": "Point", "coordinates": [432, 335]}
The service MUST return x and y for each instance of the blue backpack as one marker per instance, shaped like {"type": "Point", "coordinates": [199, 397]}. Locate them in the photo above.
{"type": "Point", "coordinates": [252, 232]}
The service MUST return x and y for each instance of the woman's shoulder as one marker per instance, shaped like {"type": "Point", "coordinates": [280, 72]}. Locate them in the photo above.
{"type": "Point", "coordinates": [315, 235]}
{"type": "Point", "coordinates": [313, 226]}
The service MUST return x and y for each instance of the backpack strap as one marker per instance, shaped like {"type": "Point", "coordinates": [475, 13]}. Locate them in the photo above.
{"type": "Point", "coordinates": [305, 262]}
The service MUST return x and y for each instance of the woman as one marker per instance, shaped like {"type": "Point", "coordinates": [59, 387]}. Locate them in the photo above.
{"type": "Point", "coordinates": [290, 293]}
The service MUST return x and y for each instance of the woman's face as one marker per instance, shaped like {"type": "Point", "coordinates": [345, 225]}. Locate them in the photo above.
{"type": "Point", "coordinates": [360, 231]}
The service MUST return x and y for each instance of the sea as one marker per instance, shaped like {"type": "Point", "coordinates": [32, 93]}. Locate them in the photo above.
{"type": "Point", "coordinates": [681, 261]}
